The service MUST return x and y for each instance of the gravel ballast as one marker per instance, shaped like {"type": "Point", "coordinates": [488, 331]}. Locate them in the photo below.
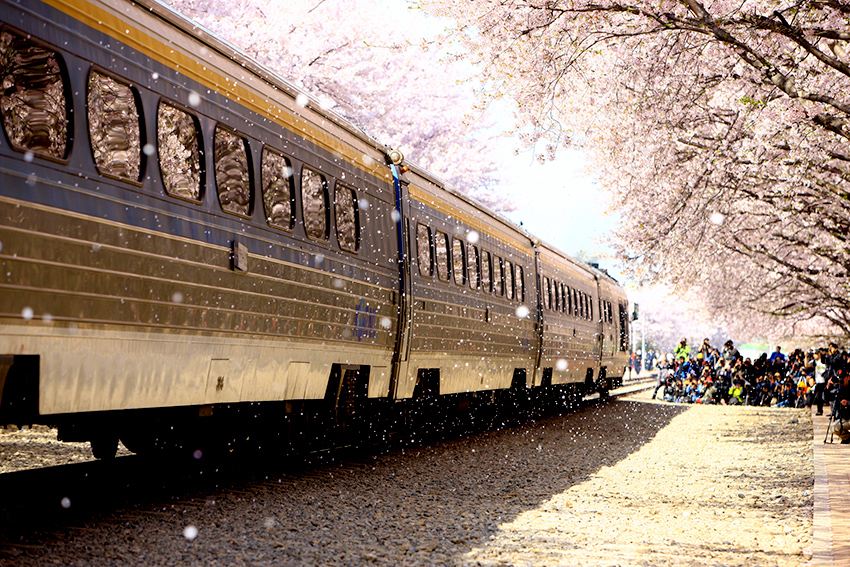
{"type": "Point", "coordinates": [631, 482]}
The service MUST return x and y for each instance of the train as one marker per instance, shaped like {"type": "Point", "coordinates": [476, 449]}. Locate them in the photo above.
{"type": "Point", "coordinates": [192, 248]}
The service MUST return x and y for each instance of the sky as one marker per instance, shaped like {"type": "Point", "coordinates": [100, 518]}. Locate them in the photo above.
{"type": "Point", "coordinates": [561, 203]}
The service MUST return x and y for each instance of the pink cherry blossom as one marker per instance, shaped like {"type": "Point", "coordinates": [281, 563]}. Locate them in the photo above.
{"type": "Point", "coordinates": [694, 111]}
{"type": "Point", "coordinates": [373, 69]}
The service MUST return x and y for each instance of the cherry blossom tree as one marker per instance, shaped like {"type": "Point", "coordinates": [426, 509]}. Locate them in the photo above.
{"type": "Point", "coordinates": [374, 69]}
{"type": "Point", "coordinates": [720, 127]}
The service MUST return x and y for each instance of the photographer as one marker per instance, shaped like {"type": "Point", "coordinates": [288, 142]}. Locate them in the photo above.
{"type": "Point", "coordinates": [834, 361]}
{"type": "Point", "coordinates": [730, 353]}
{"type": "Point", "coordinates": [841, 407]}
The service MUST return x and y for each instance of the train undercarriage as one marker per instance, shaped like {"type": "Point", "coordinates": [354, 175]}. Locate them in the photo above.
{"type": "Point", "coordinates": [346, 416]}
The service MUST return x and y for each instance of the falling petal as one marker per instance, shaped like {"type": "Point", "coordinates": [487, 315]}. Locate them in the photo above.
{"type": "Point", "coordinates": [190, 532]}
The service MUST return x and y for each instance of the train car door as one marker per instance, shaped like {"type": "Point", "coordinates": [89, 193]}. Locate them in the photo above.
{"type": "Point", "coordinates": [401, 354]}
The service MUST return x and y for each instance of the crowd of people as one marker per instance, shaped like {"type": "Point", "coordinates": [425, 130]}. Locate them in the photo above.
{"type": "Point", "coordinates": [817, 377]}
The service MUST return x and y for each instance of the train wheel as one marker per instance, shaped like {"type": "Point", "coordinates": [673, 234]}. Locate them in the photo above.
{"type": "Point", "coordinates": [104, 447]}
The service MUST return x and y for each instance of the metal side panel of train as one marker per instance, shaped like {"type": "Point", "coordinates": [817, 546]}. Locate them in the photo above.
{"type": "Point", "coordinates": [473, 317]}
{"type": "Point", "coordinates": [571, 341]}
{"type": "Point", "coordinates": [615, 326]}
{"type": "Point", "coordinates": [175, 229]}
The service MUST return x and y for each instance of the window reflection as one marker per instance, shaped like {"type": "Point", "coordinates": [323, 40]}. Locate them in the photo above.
{"type": "Point", "coordinates": [520, 284]}
{"type": "Point", "coordinates": [498, 276]}
{"type": "Point", "coordinates": [114, 127]}
{"type": "Point", "coordinates": [457, 262]}
{"type": "Point", "coordinates": [32, 98]}
{"type": "Point", "coordinates": [442, 248]}
{"type": "Point", "coordinates": [347, 221]}
{"type": "Point", "coordinates": [485, 271]}
{"type": "Point", "coordinates": [314, 200]}
{"type": "Point", "coordinates": [472, 263]}
{"type": "Point", "coordinates": [179, 156]}
{"type": "Point", "coordinates": [423, 249]}
{"type": "Point", "coordinates": [277, 189]}
{"type": "Point", "coordinates": [232, 177]}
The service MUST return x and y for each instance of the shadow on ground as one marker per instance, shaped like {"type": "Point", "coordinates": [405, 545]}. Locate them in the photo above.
{"type": "Point", "coordinates": [426, 505]}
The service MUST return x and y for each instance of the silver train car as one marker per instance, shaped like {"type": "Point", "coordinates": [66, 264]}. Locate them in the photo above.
{"type": "Point", "coordinates": [188, 245]}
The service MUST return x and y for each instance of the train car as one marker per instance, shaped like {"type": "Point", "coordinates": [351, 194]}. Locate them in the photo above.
{"type": "Point", "coordinates": [614, 330]}
{"type": "Point", "coordinates": [570, 331]}
{"type": "Point", "coordinates": [190, 246]}
{"type": "Point", "coordinates": [178, 231]}
{"type": "Point", "coordinates": [473, 294]}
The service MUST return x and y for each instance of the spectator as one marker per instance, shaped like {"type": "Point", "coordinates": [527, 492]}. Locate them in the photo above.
{"type": "Point", "coordinates": [777, 360]}
{"type": "Point", "coordinates": [704, 350]}
{"type": "Point", "coordinates": [788, 396]}
{"type": "Point", "coordinates": [710, 395]}
{"type": "Point", "coordinates": [841, 410]}
{"type": "Point", "coordinates": [730, 353]}
{"type": "Point", "coordinates": [683, 350]}
{"type": "Point", "coordinates": [800, 380]}
{"type": "Point", "coordinates": [736, 393]}
{"type": "Point", "coordinates": [833, 360]}
{"type": "Point", "coordinates": [820, 381]}
{"type": "Point", "coordinates": [650, 360]}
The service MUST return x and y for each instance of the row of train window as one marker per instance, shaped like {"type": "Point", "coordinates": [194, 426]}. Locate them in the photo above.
{"type": "Point", "coordinates": [560, 297]}
{"type": "Point", "coordinates": [463, 262]}
{"type": "Point", "coordinates": [35, 118]}
{"type": "Point", "coordinates": [466, 264]}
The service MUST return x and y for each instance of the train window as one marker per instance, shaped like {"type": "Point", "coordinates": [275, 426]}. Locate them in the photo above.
{"type": "Point", "coordinates": [624, 326]}
{"type": "Point", "coordinates": [560, 298]}
{"type": "Point", "coordinates": [575, 303]}
{"type": "Point", "coordinates": [546, 293]}
{"type": "Point", "coordinates": [498, 276]}
{"type": "Point", "coordinates": [35, 111]}
{"type": "Point", "coordinates": [590, 308]}
{"type": "Point", "coordinates": [347, 218]}
{"type": "Point", "coordinates": [520, 284]}
{"type": "Point", "coordinates": [553, 294]}
{"type": "Point", "coordinates": [314, 200]}
{"type": "Point", "coordinates": [423, 249]}
{"type": "Point", "coordinates": [472, 265]}
{"type": "Point", "coordinates": [114, 127]}
{"type": "Point", "coordinates": [486, 278]}
{"type": "Point", "coordinates": [557, 289]}
{"type": "Point", "coordinates": [232, 178]}
{"type": "Point", "coordinates": [509, 280]}
{"type": "Point", "coordinates": [179, 154]}
{"type": "Point", "coordinates": [278, 198]}
{"type": "Point", "coordinates": [457, 261]}
{"type": "Point", "coordinates": [441, 246]}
